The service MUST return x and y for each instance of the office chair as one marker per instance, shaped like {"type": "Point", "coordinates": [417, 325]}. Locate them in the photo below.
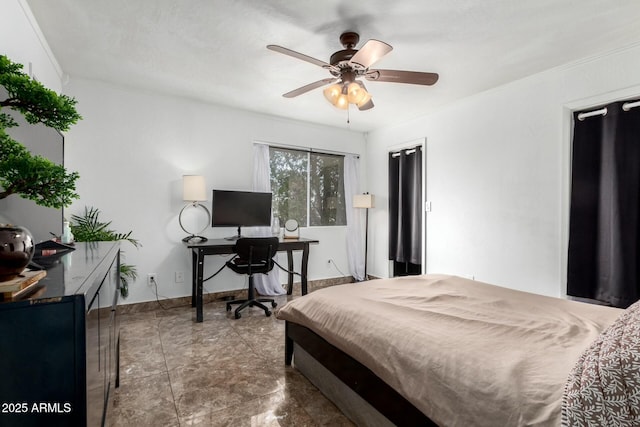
{"type": "Point", "coordinates": [253, 255]}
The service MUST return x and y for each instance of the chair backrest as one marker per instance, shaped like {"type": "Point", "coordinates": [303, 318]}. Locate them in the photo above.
{"type": "Point", "coordinates": [256, 251]}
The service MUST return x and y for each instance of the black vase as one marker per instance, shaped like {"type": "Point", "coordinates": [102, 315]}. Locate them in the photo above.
{"type": "Point", "coordinates": [16, 250]}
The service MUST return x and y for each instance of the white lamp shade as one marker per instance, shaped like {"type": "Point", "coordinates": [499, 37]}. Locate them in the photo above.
{"type": "Point", "coordinates": [194, 189]}
{"type": "Point", "coordinates": [364, 201]}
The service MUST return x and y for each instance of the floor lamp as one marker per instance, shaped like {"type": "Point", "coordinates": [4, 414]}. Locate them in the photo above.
{"type": "Point", "coordinates": [365, 201]}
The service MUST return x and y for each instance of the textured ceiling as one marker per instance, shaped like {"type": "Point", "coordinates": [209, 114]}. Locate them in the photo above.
{"type": "Point", "coordinates": [215, 50]}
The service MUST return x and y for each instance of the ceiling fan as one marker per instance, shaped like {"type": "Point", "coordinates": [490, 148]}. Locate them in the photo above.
{"type": "Point", "coordinates": [347, 65]}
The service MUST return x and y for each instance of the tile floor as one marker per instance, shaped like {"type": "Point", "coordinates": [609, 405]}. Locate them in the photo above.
{"type": "Point", "coordinates": [222, 372]}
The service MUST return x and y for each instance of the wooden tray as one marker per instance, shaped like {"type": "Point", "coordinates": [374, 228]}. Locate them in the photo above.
{"type": "Point", "coordinates": [21, 285]}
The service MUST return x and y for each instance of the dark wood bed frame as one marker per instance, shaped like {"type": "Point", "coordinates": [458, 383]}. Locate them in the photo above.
{"type": "Point", "coordinates": [356, 376]}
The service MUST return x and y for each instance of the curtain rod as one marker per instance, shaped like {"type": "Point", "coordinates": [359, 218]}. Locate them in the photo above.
{"type": "Point", "coordinates": [409, 151]}
{"type": "Point", "coordinates": [603, 111]}
{"type": "Point", "coordinates": [600, 112]}
{"type": "Point", "coordinates": [629, 105]}
{"type": "Point", "coordinates": [307, 149]}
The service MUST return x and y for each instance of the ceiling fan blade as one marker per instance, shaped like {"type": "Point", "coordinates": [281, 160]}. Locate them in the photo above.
{"type": "Point", "coordinates": [299, 55]}
{"type": "Point", "coordinates": [370, 53]}
{"type": "Point", "coordinates": [397, 76]}
{"type": "Point", "coordinates": [310, 86]}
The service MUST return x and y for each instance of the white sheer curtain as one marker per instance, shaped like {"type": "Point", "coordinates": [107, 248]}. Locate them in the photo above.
{"type": "Point", "coordinates": [268, 284]}
{"type": "Point", "coordinates": [355, 249]}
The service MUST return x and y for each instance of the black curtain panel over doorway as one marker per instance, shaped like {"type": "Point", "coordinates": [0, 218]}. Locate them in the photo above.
{"type": "Point", "coordinates": [604, 228]}
{"type": "Point", "coordinates": [405, 210]}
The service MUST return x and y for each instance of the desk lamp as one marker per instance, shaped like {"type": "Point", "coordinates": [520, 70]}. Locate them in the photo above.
{"type": "Point", "coordinates": [365, 201]}
{"type": "Point", "coordinates": [194, 190]}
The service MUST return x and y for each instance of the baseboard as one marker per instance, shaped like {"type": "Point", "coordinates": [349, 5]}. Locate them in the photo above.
{"type": "Point", "coordinates": [138, 307]}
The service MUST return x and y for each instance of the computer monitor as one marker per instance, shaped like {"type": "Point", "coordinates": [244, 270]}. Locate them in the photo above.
{"type": "Point", "coordinates": [240, 209]}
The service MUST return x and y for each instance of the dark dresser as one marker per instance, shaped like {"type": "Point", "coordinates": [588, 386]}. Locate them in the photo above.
{"type": "Point", "coordinates": [59, 350]}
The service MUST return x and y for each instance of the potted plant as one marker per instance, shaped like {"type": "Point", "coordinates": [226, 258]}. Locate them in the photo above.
{"type": "Point", "coordinates": [31, 177]}
{"type": "Point", "coordinates": [89, 228]}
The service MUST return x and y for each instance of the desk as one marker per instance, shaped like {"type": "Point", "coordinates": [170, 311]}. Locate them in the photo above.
{"type": "Point", "coordinates": [222, 246]}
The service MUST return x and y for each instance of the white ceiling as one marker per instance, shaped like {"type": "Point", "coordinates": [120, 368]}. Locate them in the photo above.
{"type": "Point", "coordinates": [215, 50]}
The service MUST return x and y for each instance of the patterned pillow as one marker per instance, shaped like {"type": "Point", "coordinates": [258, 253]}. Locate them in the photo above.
{"type": "Point", "coordinates": [603, 388]}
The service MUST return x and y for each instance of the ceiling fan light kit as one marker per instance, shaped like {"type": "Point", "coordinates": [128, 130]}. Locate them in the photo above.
{"type": "Point", "coordinates": [337, 96]}
{"type": "Point", "coordinates": [357, 94]}
{"type": "Point", "coordinates": [340, 95]}
{"type": "Point", "coordinates": [347, 65]}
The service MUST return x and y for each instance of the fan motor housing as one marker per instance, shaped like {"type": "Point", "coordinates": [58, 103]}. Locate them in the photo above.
{"type": "Point", "coordinates": [348, 40]}
{"type": "Point", "coordinates": [342, 55]}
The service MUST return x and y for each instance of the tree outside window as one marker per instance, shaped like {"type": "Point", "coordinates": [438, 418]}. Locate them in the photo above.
{"type": "Point", "coordinates": [307, 187]}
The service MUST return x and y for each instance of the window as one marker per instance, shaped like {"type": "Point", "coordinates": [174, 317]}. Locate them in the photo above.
{"type": "Point", "coordinates": [307, 187]}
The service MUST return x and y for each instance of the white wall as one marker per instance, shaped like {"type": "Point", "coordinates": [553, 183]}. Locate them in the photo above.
{"type": "Point", "coordinates": [22, 41]}
{"type": "Point", "coordinates": [497, 174]}
{"type": "Point", "coordinates": [131, 150]}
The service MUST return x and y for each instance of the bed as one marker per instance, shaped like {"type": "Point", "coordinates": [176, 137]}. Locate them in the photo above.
{"type": "Point", "coordinates": [443, 350]}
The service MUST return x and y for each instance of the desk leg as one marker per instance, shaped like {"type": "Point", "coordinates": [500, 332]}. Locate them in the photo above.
{"type": "Point", "coordinates": [194, 264]}
{"type": "Point", "coordinates": [200, 274]}
{"type": "Point", "coordinates": [303, 273]}
{"type": "Point", "coordinates": [290, 274]}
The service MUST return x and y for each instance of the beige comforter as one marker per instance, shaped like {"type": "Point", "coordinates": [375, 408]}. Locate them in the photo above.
{"type": "Point", "coordinates": [463, 352]}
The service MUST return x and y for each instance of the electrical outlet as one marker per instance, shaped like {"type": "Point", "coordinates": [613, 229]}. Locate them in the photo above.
{"type": "Point", "coordinates": [179, 276]}
{"type": "Point", "coordinates": [151, 279]}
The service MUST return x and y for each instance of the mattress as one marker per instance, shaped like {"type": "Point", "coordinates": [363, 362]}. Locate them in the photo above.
{"type": "Point", "coordinates": [461, 351]}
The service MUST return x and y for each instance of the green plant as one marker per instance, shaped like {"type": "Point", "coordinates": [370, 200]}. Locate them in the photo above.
{"type": "Point", "coordinates": [89, 228]}
{"type": "Point", "coordinates": [33, 177]}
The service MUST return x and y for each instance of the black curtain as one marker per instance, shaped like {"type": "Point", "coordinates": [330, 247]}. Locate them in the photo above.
{"type": "Point", "coordinates": [405, 210]}
{"type": "Point", "coordinates": [604, 215]}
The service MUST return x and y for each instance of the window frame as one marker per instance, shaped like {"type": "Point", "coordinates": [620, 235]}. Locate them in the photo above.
{"type": "Point", "coordinates": [309, 153]}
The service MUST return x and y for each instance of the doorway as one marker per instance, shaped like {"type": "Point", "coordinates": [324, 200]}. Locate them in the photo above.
{"type": "Point", "coordinates": [406, 219]}
{"type": "Point", "coordinates": [604, 215]}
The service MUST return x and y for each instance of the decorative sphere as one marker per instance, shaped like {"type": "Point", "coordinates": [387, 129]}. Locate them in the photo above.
{"type": "Point", "coordinates": [16, 250]}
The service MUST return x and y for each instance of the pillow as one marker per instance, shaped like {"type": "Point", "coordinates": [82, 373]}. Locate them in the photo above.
{"type": "Point", "coordinates": [603, 388]}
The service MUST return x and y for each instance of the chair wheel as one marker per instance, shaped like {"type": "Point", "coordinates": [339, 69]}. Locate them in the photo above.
{"type": "Point", "coordinates": [268, 313]}
{"type": "Point", "coordinates": [273, 304]}
{"type": "Point", "coordinates": [238, 315]}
